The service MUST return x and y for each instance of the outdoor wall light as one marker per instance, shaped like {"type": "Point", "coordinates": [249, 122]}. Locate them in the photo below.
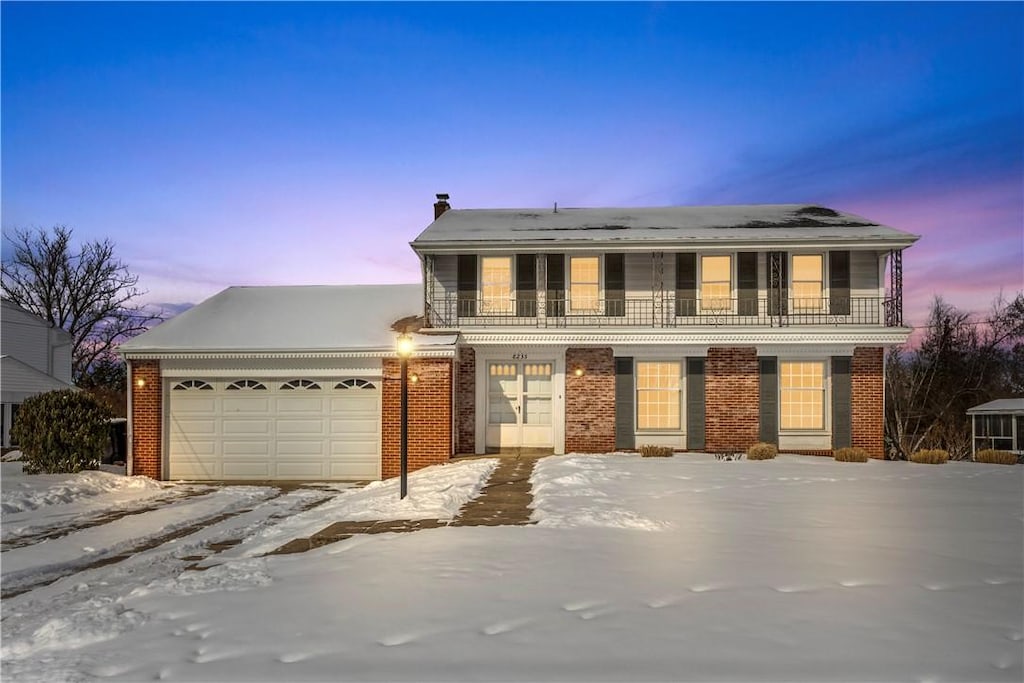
{"type": "Point", "coordinates": [140, 383]}
{"type": "Point", "coordinates": [414, 378]}
{"type": "Point", "coordinates": [578, 371]}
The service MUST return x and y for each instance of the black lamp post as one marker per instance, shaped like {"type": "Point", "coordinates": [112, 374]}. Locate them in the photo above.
{"type": "Point", "coordinates": [404, 348]}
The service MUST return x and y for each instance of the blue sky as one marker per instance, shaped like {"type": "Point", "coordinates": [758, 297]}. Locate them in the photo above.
{"type": "Point", "coordinates": [238, 143]}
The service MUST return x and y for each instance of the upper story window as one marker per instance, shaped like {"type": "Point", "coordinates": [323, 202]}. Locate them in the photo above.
{"type": "Point", "coordinates": [495, 284]}
{"type": "Point", "coordinates": [715, 283]}
{"type": "Point", "coordinates": [584, 284]}
{"type": "Point", "coordinates": [808, 282]}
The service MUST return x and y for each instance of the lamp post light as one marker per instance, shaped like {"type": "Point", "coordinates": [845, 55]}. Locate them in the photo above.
{"type": "Point", "coordinates": [404, 348]}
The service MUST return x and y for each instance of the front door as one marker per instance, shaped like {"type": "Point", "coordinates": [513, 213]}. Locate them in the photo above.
{"type": "Point", "coordinates": [519, 405]}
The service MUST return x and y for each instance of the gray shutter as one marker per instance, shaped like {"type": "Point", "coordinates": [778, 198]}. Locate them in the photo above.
{"type": "Point", "coordinates": [526, 285]}
{"type": "Point", "coordinates": [769, 399]}
{"type": "Point", "coordinates": [556, 285]}
{"type": "Point", "coordinates": [625, 435]}
{"type": "Point", "coordinates": [614, 285]}
{"type": "Point", "coordinates": [467, 286]}
{"type": "Point", "coordinates": [839, 282]}
{"type": "Point", "coordinates": [686, 284]}
{"type": "Point", "coordinates": [842, 406]}
{"type": "Point", "coordinates": [694, 404]}
{"type": "Point", "coordinates": [746, 277]}
{"type": "Point", "coordinates": [778, 282]}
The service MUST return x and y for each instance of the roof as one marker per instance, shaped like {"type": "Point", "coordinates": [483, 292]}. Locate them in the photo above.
{"type": "Point", "coordinates": [1000, 405]}
{"type": "Point", "coordinates": [288, 319]}
{"type": "Point", "coordinates": [687, 224]}
{"type": "Point", "coordinates": [20, 381]}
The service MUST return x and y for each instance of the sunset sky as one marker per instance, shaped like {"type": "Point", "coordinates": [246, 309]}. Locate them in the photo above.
{"type": "Point", "coordinates": [221, 144]}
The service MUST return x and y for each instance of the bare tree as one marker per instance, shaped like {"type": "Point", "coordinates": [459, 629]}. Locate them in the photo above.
{"type": "Point", "coordinates": [89, 293]}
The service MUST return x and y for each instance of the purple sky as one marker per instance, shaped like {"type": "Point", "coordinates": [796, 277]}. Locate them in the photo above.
{"type": "Point", "coordinates": [222, 144]}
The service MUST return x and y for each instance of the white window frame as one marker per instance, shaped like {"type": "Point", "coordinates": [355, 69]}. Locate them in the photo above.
{"type": "Point", "coordinates": [678, 429]}
{"type": "Point", "coordinates": [599, 309]}
{"type": "Point", "coordinates": [823, 305]}
{"type": "Point", "coordinates": [732, 283]}
{"type": "Point", "coordinates": [509, 307]}
{"type": "Point", "coordinates": [825, 396]}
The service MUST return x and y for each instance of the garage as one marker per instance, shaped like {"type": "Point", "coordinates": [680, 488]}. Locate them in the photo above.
{"type": "Point", "coordinates": [272, 428]}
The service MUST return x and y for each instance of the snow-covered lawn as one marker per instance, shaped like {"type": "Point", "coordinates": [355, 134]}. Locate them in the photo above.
{"type": "Point", "coordinates": [683, 568]}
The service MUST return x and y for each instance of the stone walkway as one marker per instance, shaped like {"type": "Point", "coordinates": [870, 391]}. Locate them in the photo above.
{"type": "Point", "coordinates": [504, 501]}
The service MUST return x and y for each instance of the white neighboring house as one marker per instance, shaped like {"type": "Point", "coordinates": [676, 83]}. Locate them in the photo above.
{"type": "Point", "coordinates": [34, 358]}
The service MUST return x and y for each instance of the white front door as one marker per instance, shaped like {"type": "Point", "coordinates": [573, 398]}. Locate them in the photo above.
{"type": "Point", "coordinates": [519, 404]}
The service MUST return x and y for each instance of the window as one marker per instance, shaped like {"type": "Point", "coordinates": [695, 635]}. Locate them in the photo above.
{"type": "Point", "coordinates": [657, 395]}
{"type": "Point", "coordinates": [802, 395]}
{"type": "Point", "coordinates": [495, 284]}
{"type": "Point", "coordinates": [354, 384]}
{"type": "Point", "coordinates": [300, 384]}
{"type": "Point", "coordinates": [584, 284]}
{"type": "Point", "coordinates": [715, 283]}
{"type": "Point", "coordinates": [192, 384]}
{"type": "Point", "coordinates": [993, 431]}
{"type": "Point", "coordinates": [808, 283]}
{"type": "Point", "coordinates": [247, 384]}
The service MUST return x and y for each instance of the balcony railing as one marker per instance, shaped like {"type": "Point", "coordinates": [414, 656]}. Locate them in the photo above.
{"type": "Point", "coordinates": [663, 311]}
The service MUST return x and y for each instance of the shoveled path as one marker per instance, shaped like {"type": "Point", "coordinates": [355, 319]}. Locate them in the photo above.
{"type": "Point", "coordinates": [505, 500]}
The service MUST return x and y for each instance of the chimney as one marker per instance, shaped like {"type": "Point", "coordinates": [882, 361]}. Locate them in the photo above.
{"type": "Point", "coordinates": [441, 205]}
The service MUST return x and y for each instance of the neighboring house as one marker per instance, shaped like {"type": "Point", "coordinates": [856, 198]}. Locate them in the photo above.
{"type": "Point", "coordinates": [998, 424]}
{"type": "Point", "coordinates": [555, 330]}
{"type": "Point", "coordinates": [36, 358]}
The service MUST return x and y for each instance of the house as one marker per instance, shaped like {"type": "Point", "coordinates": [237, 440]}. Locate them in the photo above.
{"type": "Point", "coordinates": [551, 330]}
{"type": "Point", "coordinates": [998, 424]}
{"type": "Point", "coordinates": [36, 358]}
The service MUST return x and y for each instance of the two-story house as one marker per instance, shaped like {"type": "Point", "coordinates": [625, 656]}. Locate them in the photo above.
{"type": "Point", "coordinates": [553, 330]}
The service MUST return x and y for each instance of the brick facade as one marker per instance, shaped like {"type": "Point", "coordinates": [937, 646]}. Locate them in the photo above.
{"type": "Point", "coordinates": [147, 412]}
{"type": "Point", "coordinates": [589, 401]}
{"type": "Point", "coordinates": [465, 402]}
{"type": "Point", "coordinates": [430, 414]}
{"type": "Point", "coordinates": [731, 399]}
{"type": "Point", "coordinates": [868, 400]}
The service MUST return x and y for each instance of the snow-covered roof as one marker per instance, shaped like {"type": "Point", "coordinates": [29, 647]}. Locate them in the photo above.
{"type": "Point", "coordinates": [22, 381]}
{"type": "Point", "coordinates": [289, 319]}
{"type": "Point", "coordinates": [684, 224]}
{"type": "Point", "coordinates": [1000, 405]}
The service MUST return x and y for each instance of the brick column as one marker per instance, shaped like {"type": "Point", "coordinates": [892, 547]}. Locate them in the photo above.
{"type": "Point", "coordinates": [731, 399]}
{"type": "Point", "coordinates": [590, 401]}
{"type": "Point", "coordinates": [465, 402]}
{"type": "Point", "coordinates": [430, 414]}
{"type": "Point", "coordinates": [147, 418]}
{"type": "Point", "coordinates": [868, 400]}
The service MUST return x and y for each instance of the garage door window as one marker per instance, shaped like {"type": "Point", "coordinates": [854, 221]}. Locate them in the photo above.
{"type": "Point", "coordinates": [250, 384]}
{"type": "Point", "coordinates": [300, 384]}
{"type": "Point", "coordinates": [354, 384]}
{"type": "Point", "coordinates": [192, 384]}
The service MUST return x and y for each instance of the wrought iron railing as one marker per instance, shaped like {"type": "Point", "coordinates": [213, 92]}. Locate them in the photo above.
{"type": "Point", "coordinates": [668, 310]}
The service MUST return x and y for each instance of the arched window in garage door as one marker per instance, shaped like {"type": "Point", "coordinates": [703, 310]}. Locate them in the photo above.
{"type": "Point", "coordinates": [247, 384]}
{"type": "Point", "coordinates": [354, 383]}
{"type": "Point", "coordinates": [192, 384]}
{"type": "Point", "coordinates": [300, 384]}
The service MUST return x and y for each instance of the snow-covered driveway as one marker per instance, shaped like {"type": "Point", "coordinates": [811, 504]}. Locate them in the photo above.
{"type": "Point", "coordinates": [638, 569]}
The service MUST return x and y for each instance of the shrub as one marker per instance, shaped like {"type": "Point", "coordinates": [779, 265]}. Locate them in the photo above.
{"type": "Point", "coordinates": [930, 457]}
{"type": "Point", "coordinates": [990, 455]}
{"type": "Point", "coordinates": [61, 431]}
{"type": "Point", "coordinates": [762, 451]}
{"type": "Point", "coordinates": [651, 451]}
{"type": "Point", "coordinates": [851, 455]}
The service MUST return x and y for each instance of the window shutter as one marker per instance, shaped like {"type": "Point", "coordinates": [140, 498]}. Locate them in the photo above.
{"type": "Point", "coordinates": [526, 285]}
{"type": "Point", "coordinates": [615, 285]}
{"type": "Point", "coordinates": [467, 286]}
{"type": "Point", "coordinates": [778, 283]}
{"type": "Point", "coordinates": [694, 404]}
{"type": "Point", "coordinates": [556, 285]}
{"type": "Point", "coordinates": [746, 276]}
{"type": "Point", "coordinates": [625, 411]}
{"type": "Point", "coordinates": [686, 284]}
{"type": "Point", "coordinates": [839, 282]}
{"type": "Point", "coordinates": [842, 404]}
{"type": "Point", "coordinates": [769, 399]}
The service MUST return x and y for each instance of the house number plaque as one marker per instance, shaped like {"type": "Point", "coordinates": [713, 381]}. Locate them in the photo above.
{"type": "Point", "coordinates": [520, 356]}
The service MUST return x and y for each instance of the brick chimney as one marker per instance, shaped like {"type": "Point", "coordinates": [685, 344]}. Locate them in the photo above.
{"type": "Point", "coordinates": [441, 205]}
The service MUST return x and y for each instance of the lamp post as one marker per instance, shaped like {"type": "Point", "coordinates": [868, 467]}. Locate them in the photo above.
{"type": "Point", "coordinates": [404, 348]}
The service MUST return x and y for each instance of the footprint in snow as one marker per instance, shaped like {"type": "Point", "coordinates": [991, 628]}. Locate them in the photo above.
{"type": "Point", "coordinates": [1000, 581]}
{"type": "Point", "coordinates": [292, 657]}
{"type": "Point", "coordinates": [504, 626]}
{"type": "Point", "coordinates": [666, 601]}
{"type": "Point", "coordinates": [398, 639]}
{"type": "Point", "coordinates": [705, 587]}
{"type": "Point", "coordinates": [582, 605]}
{"type": "Point", "coordinates": [595, 613]}
{"type": "Point", "coordinates": [858, 583]}
{"type": "Point", "coordinates": [796, 588]}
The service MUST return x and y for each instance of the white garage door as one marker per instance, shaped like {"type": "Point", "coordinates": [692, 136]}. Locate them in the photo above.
{"type": "Point", "coordinates": [309, 429]}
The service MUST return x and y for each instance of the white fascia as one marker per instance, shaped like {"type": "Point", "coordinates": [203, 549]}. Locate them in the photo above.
{"type": "Point", "coordinates": [696, 338]}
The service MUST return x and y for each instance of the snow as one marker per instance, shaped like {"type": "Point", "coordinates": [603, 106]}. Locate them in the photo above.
{"type": "Point", "coordinates": [683, 568]}
{"type": "Point", "coordinates": [21, 492]}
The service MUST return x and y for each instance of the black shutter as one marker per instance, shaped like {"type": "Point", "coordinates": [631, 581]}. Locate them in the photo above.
{"type": "Point", "coordinates": [467, 286]}
{"type": "Point", "coordinates": [614, 285]}
{"type": "Point", "coordinates": [839, 282]}
{"type": "Point", "coordinates": [769, 399]}
{"type": "Point", "coordinates": [556, 285]}
{"type": "Point", "coordinates": [778, 282]}
{"type": "Point", "coordinates": [686, 284]}
{"type": "Point", "coordinates": [625, 435]}
{"type": "Point", "coordinates": [694, 404]}
{"type": "Point", "coordinates": [526, 285]}
{"type": "Point", "coordinates": [842, 405]}
{"type": "Point", "coordinates": [746, 276]}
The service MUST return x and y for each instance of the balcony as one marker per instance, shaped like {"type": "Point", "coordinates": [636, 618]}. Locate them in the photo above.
{"type": "Point", "coordinates": [666, 311]}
